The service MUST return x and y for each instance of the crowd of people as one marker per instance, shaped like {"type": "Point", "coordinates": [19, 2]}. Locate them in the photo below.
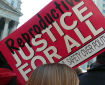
{"type": "Point", "coordinates": [96, 74]}
{"type": "Point", "coordinates": [57, 74]}
{"type": "Point", "coordinates": [60, 74]}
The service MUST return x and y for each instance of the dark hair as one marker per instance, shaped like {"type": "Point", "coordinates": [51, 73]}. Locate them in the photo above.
{"type": "Point", "coordinates": [100, 59]}
{"type": "Point", "coordinates": [2, 59]}
{"type": "Point", "coordinates": [78, 70]}
{"type": "Point", "coordinates": [92, 64]}
{"type": "Point", "coordinates": [53, 74]}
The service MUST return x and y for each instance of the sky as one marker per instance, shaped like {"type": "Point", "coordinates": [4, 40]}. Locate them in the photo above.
{"type": "Point", "coordinates": [31, 7]}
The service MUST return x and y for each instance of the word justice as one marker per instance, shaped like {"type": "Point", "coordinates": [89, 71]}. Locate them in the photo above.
{"type": "Point", "coordinates": [67, 38]}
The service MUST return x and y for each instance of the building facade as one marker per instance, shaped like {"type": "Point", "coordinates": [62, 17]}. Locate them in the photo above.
{"type": "Point", "coordinates": [9, 16]}
{"type": "Point", "coordinates": [101, 5]}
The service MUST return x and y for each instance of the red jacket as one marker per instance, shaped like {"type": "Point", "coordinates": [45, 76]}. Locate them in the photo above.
{"type": "Point", "coordinates": [6, 76]}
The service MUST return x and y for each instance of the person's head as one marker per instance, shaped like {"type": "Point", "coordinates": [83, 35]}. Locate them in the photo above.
{"type": "Point", "coordinates": [78, 70]}
{"type": "Point", "coordinates": [92, 64]}
{"type": "Point", "coordinates": [100, 59]}
{"type": "Point", "coordinates": [53, 74]}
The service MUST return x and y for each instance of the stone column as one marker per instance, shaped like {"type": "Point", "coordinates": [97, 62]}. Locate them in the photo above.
{"type": "Point", "coordinates": [11, 29]}
{"type": "Point", "coordinates": [15, 25]}
{"type": "Point", "coordinates": [5, 30]}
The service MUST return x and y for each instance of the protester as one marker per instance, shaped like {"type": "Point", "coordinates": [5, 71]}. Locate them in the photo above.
{"type": "Point", "coordinates": [92, 64]}
{"type": "Point", "coordinates": [53, 74]}
{"type": "Point", "coordinates": [7, 76]}
{"type": "Point", "coordinates": [96, 74]}
{"type": "Point", "coordinates": [78, 70]}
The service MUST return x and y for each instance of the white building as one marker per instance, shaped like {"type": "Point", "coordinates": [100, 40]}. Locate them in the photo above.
{"type": "Point", "coordinates": [101, 5]}
{"type": "Point", "coordinates": [9, 16]}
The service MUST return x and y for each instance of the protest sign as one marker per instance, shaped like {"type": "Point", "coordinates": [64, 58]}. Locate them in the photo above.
{"type": "Point", "coordinates": [65, 31]}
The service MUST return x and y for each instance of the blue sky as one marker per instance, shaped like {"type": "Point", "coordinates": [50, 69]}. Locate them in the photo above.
{"type": "Point", "coordinates": [30, 7]}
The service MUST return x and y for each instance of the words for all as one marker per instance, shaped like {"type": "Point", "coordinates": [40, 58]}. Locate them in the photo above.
{"type": "Point", "coordinates": [45, 49]}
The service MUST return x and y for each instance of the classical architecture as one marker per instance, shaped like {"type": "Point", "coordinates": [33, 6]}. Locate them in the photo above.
{"type": "Point", "coordinates": [9, 16]}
